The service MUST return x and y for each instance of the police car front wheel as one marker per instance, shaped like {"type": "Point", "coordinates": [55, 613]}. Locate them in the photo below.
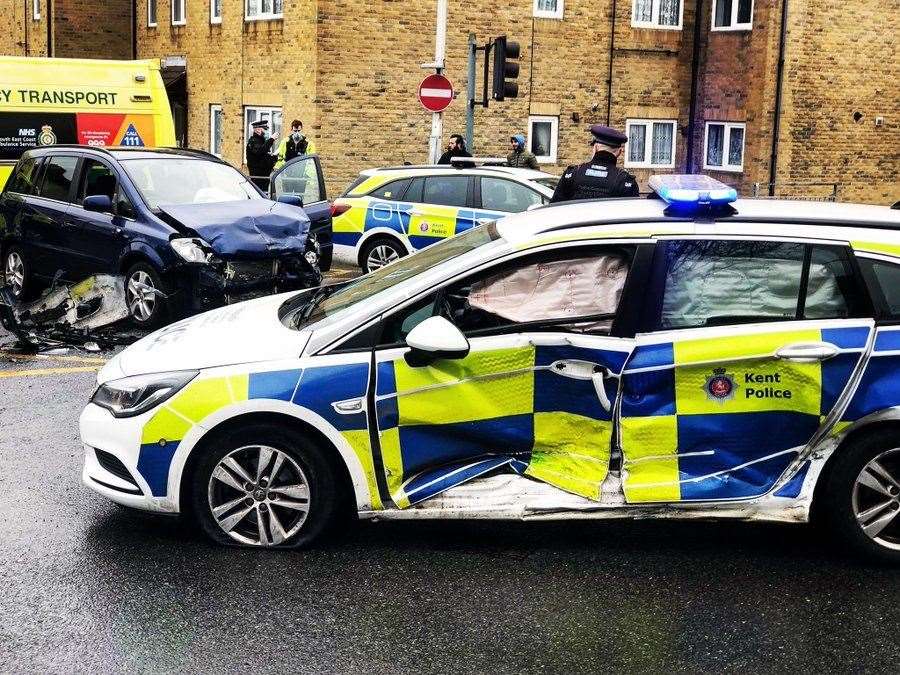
{"type": "Point", "coordinates": [263, 487]}
{"type": "Point", "coordinates": [862, 495]}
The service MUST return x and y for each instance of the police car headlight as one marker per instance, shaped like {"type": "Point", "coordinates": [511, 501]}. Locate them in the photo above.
{"type": "Point", "coordinates": [131, 396]}
{"type": "Point", "coordinates": [192, 250]}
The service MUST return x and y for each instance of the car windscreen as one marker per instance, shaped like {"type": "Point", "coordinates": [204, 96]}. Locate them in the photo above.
{"type": "Point", "coordinates": [307, 308]}
{"type": "Point", "coordinates": [166, 181]}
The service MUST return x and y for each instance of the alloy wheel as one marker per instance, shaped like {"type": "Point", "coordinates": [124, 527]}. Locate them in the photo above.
{"type": "Point", "coordinates": [876, 499]}
{"type": "Point", "coordinates": [15, 273]}
{"type": "Point", "coordinates": [381, 255]}
{"type": "Point", "coordinates": [140, 294]}
{"type": "Point", "coordinates": [259, 495]}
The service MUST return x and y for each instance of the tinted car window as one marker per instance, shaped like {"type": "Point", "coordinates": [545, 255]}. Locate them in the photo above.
{"type": "Point", "coordinates": [96, 179]}
{"type": "Point", "coordinates": [887, 278]}
{"type": "Point", "coordinates": [393, 190]}
{"type": "Point", "coordinates": [124, 207]}
{"type": "Point", "coordinates": [414, 193]}
{"type": "Point", "coordinates": [23, 181]}
{"type": "Point", "coordinates": [499, 194]}
{"type": "Point", "coordinates": [58, 176]}
{"type": "Point", "coordinates": [300, 179]}
{"type": "Point", "coordinates": [446, 190]}
{"type": "Point", "coordinates": [832, 291]}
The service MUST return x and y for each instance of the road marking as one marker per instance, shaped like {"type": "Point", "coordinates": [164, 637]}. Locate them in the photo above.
{"type": "Point", "coordinates": [49, 371]}
{"type": "Point", "coordinates": [50, 357]}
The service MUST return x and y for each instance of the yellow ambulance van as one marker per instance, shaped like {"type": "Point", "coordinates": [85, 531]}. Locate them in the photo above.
{"type": "Point", "coordinates": [90, 102]}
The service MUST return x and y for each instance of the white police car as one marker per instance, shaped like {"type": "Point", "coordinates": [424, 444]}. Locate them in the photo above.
{"type": "Point", "coordinates": [696, 358]}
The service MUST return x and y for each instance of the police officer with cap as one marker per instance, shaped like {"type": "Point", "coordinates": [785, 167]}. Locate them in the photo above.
{"type": "Point", "coordinates": [600, 177]}
{"type": "Point", "coordinates": [259, 158]}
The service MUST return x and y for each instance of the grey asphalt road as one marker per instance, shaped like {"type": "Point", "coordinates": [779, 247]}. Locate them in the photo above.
{"type": "Point", "coordinates": [87, 586]}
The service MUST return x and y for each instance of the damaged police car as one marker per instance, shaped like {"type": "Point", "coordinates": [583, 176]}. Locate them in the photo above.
{"type": "Point", "coordinates": [187, 230]}
{"type": "Point", "coordinates": [695, 356]}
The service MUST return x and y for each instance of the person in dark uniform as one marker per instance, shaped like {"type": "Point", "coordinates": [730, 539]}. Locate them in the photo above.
{"type": "Point", "coordinates": [259, 158]}
{"type": "Point", "coordinates": [599, 177]}
{"type": "Point", "coordinates": [456, 148]}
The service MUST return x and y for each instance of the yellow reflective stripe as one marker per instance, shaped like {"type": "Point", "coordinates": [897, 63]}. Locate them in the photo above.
{"type": "Point", "coordinates": [165, 425]}
{"type": "Point", "coordinates": [739, 346]}
{"type": "Point", "coordinates": [359, 441]}
{"type": "Point", "coordinates": [393, 465]}
{"type": "Point", "coordinates": [650, 467]}
{"type": "Point", "coordinates": [353, 220]}
{"type": "Point", "coordinates": [203, 397]}
{"type": "Point", "coordinates": [439, 221]}
{"type": "Point", "coordinates": [371, 183]}
{"type": "Point", "coordinates": [571, 452]}
{"type": "Point", "coordinates": [240, 387]}
{"type": "Point", "coordinates": [445, 393]}
{"type": "Point", "coordinates": [876, 247]}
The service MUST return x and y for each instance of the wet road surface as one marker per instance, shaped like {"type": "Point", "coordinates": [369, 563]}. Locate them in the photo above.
{"type": "Point", "coordinates": [88, 586]}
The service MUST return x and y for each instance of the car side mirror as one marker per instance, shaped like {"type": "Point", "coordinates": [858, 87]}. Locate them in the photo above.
{"type": "Point", "coordinates": [435, 338]}
{"type": "Point", "coordinates": [97, 203]}
{"type": "Point", "coordinates": [293, 200]}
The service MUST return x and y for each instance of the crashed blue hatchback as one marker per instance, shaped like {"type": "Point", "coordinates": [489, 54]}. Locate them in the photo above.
{"type": "Point", "coordinates": [188, 231]}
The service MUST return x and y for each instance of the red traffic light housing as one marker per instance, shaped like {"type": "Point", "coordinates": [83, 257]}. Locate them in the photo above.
{"type": "Point", "coordinates": [506, 68]}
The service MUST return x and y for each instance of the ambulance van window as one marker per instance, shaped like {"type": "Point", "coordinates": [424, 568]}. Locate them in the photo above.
{"type": "Point", "coordinates": [58, 176]}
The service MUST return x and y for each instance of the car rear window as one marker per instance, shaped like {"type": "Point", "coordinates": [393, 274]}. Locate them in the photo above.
{"type": "Point", "coordinates": [887, 279]}
{"type": "Point", "coordinates": [58, 175]}
{"type": "Point", "coordinates": [392, 190]}
{"type": "Point", "coordinates": [355, 184]}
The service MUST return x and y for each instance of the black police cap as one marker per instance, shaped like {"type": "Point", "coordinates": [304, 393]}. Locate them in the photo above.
{"type": "Point", "coordinates": [607, 135]}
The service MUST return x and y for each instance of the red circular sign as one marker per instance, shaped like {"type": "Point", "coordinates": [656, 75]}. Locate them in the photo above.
{"type": "Point", "coordinates": [435, 93]}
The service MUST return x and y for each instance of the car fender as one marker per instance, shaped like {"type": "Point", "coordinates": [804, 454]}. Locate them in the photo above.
{"type": "Point", "coordinates": [144, 250]}
{"type": "Point", "coordinates": [376, 231]}
{"type": "Point", "coordinates": [300, 413]}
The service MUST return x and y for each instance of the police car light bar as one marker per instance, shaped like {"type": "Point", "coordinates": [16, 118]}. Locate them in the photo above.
{"type": "Point", "coordinates": [692, 190]}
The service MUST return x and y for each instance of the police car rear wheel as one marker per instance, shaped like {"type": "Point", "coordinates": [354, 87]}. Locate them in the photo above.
{"type": "Point", "coordinates": [264, 487]}
{"type": "Point", "coordinates": [379, 252]}
{"type": "Point", "coordinates": [863, 496]}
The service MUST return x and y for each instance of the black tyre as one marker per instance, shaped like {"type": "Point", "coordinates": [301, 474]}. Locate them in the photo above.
{"type": "Point", "coordinates": [148, 309]}
{"type": "Point", "coordinates": [17, 273]}
{"type": "Point", "coordinates": [861, 496]}
{"type": "Point", "coordinates": [264, 486]}
{"type": "Point", "coordinates": [380, 251]}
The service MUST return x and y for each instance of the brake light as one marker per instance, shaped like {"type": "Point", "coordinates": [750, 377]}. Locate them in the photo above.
{"type": "Point", "coordinates": [338, 209]}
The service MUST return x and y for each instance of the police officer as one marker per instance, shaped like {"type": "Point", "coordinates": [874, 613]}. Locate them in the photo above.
{"type": "Point", "coordinates": [600, 177]}
{"type": "Point", "coordinates": [259, 157]}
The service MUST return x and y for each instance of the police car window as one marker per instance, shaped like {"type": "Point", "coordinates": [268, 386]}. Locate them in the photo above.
{"type": "Point", "coordinates": [393, 190]}
{"type": "Point", "coordinates": [414, 193]}
{"type": "Point", "coordinates": [832, 291]}
{"type": "Point", "coordinates": [886, 277]}
{"type": "Point", "coordinates": [96, 179]}
{"type": "Point", "coordinates": [58, 177]}
{"type": "Point", "coordinates": [446, 190]}
{"type": "Point", "coordinates": [499, 194]}
{"type": "Point", "coordinates": [24, 180]}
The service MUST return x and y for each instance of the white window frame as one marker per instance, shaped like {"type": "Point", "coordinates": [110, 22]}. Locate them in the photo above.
{"type": "Point", "coordinates": [654, 17]}
{"type": "Point", "coordinates": [183, 20]}
{"type": "Point", "coordinates": [734, 25]}
{"type": "Point", "coordinates": [539, 13]}
{"type": "Point", "coordinates": [36, 10]}
{"type": "Point", "coordinates": [213, 17]}
{"type": "Point", "coordinates": [213, 109]}
{"type": "Point", "coordinates": [554, 137]}
{"type": "Point", "coordinates": [270, 109]}
{"type": "Point", "coordinates": [726, 143]}
{"type": "Point", "coordinates": [263, 16]}
{"type": "Point", "coordinates": [648, 143]}
{"type": "Point", "coordinates": [151, 17]}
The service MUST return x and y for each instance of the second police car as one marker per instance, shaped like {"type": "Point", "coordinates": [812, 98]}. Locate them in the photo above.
{"type": "Point", "coordinates": [698, 357]}
{"type": "Point", "coordinates": [388, 213]}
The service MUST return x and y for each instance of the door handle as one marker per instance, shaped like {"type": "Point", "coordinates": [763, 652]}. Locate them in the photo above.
{"type": "Point", "coordinates": [598, 377]}
{"type": "Point", "coordinates": [585, 370]}
{"type": "Point", "coordinates": [807, 352]}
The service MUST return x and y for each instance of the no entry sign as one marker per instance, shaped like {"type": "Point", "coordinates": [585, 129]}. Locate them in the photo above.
{"type": "Point", "coordinates": [435, 93]}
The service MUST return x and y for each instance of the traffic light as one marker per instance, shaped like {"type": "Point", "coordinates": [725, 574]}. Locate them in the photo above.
{"type": "Point", "coordinates": [506, 69]}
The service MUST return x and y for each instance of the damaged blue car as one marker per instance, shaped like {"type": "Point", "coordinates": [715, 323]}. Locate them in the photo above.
{"type": "Point", "coordinates": [187, 230]}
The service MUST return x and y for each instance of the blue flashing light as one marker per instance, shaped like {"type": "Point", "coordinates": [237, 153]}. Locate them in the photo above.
{"type": "Point", "coordinates": [692, 191]}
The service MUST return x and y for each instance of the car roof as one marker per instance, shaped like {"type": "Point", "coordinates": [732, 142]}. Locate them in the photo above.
{"type": "Point", "coordinates": [487, 170]}
{"type": "Point", "coordinates": [122, 152]}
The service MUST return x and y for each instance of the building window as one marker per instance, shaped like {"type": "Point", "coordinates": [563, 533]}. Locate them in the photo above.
{"type": "Point", "coordinates": [151, 13]}
{"type": "Point", "coordinates": [724, 146]}
{"type": "Point", "coordinates": [543, 136]}
{"type": "Point", "coordinates": [178, 15]}
{"type": "Point", "coordinates": [732, 14]}
{"type": "Point", "coordinates": [36, 10]}
{"type": "Point", "coordinates": [215, 11]}
{"type": "Point", "coordinates": [548, 9]}
{"type": "Point", "coordinates": [216, 121]}
{"type": "Point", "coordinates": [662, 14]}
{"type": "Point", "coordinates": [651, 144]}
{"type": "Point", "coordinates": [255, 113]}
{"type": "Point", "coordinates": [258, 10]}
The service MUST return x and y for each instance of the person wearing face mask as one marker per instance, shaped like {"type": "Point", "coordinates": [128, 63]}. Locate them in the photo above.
{"type": "Point", "coordinates": [294, 145]}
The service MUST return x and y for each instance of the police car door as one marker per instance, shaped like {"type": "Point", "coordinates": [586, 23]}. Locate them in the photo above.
{"type": "Point", "coordinates": [535, 393]}
{"type": "Point", "coordinates": [441, 208]}
{"type": "Point", "coordinates": [749, 347]}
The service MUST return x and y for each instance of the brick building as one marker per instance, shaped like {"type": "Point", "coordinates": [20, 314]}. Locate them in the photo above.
{"type": "Point", "coordinates": [693, 95]}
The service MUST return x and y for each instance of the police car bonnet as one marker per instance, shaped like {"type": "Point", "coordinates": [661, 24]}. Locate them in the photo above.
{"type": "Point", "coordinates": [245, 229]}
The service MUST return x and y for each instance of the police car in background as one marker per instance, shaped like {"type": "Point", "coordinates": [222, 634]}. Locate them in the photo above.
{"type": "Point", "coordinates": [388, 213]}
{"type": "Point", "coordinates": [695, 356]}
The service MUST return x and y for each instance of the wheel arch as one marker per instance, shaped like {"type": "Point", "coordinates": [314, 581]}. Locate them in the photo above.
{"type": "Point", "coordinates": [381, 233]}
{"type": "Point", "coordinates": [136, 254]}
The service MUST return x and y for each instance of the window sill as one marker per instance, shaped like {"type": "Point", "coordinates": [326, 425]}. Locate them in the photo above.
{"type": "Point", "coordinates": [152, 25]}
{"type": "Point", "coordinates": [731, 29]}
{"type": "Point", "coordinates": [723, 169]}
{"type": "Point", "coordinates": [556, 17]}
{"type": "Point", "coordinates": [653, 26]}
{"type": "Point", "coordinates": [651, 167]}
{"type": "Point", "coordinates": [257, 19]}
{"type": "Point", "coordinates": [179, 24]}
{"type": "Point", "coordinates": [215, 22]}
{"type": "Point", "coordinates": [546, 160]}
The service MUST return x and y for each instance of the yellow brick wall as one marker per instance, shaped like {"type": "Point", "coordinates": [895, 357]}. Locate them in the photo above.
{"type": "Point", "coordinates": [20, 34]}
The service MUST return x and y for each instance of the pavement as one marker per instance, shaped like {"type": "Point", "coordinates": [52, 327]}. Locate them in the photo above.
{"type": "Point", "coordinates": [88, 586]}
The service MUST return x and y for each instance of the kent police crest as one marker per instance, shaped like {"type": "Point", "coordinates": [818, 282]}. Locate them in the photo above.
{"type": "Point", "coordinates": [720, 386]}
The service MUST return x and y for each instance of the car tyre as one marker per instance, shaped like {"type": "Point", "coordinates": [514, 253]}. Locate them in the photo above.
{"type": "Point", "coordinates": [288, 500]}
{"type": "Point", "coordinates": [380, 251]}
{"type": "Point", "coordinates": [17, 273]}
{"type": "Point", "coordinates": [146, 309]}
{"type": "Point", "coordinates": [861, 497]}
